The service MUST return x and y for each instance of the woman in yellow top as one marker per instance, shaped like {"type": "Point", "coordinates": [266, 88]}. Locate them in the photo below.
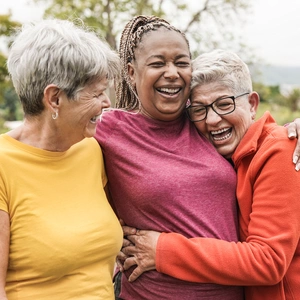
{"type": "Point", "coordinates": [58, 234]}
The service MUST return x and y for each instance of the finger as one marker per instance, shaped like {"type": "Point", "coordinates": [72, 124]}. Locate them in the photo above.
{"type": "Point", "coordinates": [136, 273]}
{"type": "Point", "coordinates": [297, 162]}
{"type": "Point", "coordinates": [129, 262]}
{"type": "Point", "coordinates": [292, 130]}
{"type": "Point", "coordinates": [127, 230]}
{"type": "Point", "coordinates": [126, 243]}
{"type": "Point", "coordinates": [129, 251]}
{"type": "Point", "coordinates": [121, 257]}
{"type": "Point", "coordinates": [132, 238]}
{"type": "Point", "coordinates": [120, 265]}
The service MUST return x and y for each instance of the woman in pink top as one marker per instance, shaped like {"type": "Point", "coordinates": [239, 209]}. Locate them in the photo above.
{"type": "Point", "coordinates": [163, 175]}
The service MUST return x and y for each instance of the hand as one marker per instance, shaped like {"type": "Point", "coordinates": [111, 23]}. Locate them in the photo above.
{"type": "Point", "coordinates": [294, 132]}
{"type": "Point", "coordinates": [121, 257]}
{"type": "Point", "coordinates": [141, 253]}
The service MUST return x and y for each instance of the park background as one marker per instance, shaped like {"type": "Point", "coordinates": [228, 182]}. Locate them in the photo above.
{"type": "Point", "coordinates": [264, 33]}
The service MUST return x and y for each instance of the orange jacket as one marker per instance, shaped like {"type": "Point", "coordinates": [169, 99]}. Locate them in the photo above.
{"type": "Point", "coordinates": [267, 259]}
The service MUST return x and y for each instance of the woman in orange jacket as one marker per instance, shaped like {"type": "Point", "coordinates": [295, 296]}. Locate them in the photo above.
{"type": "Point", "coordinates": [267, 258]}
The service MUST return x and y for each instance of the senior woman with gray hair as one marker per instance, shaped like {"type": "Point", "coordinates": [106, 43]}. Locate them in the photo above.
{"type": "Point", "coordinates": [58, 233]}
{"type": "Point", "coordinates": [267, 258]}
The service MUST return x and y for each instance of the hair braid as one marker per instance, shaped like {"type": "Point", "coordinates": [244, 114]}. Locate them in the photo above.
{"type": "Point", "coordinates": [132, 34]}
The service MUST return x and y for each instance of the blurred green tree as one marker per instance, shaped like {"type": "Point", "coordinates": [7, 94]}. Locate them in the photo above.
{"type": "Point", "coordinates": [207, 23]}
{"type": "Point", "coordinates": [293, 99]}
{"type": "Point", "coordinates": [9, 102]}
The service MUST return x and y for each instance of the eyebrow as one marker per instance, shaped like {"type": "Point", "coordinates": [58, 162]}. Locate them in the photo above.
{"type": "Point", "coordinates": [194, 102]}
{"type": "Point", "coordinates": [162, 57]}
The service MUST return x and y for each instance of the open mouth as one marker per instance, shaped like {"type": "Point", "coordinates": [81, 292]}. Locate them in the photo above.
{"type": "Point", "coordinates": [221, 135]}
{"type": "Point", "coordinates": [169, 91]}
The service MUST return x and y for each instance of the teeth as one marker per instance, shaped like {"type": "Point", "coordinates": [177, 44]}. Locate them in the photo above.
{"type": "Point", "coordinates": [222, 138]}
{"type": "Point", "coordinates": [214, 133]}
{"type": "Point", "coordinates": [219, 131]}
{"type": "Point", "coordinates": [170, 91]}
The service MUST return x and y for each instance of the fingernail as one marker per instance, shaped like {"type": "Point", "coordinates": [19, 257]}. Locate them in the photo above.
{"type": "Point", "coordinates": [292, 135]}
{"type": "Point", "coordinates": [295, 159]}
{"type": "Point", "coordinates": [297, 168]}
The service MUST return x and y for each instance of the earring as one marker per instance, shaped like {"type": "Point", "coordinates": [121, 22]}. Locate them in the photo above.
{"type": "Point", "coordinates": [55, 115]}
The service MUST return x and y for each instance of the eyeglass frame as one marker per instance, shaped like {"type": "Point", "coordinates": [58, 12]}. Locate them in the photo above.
{"type": "Point", "coordinates": [211, 105]}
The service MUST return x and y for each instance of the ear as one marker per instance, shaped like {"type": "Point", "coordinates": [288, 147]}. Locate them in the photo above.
{"type": "Point", "coordinates": [254, 100]}
{"type": "Point", "coordinates": [51, 97]}
{"type": "Point", "coordinates": [131, 73]}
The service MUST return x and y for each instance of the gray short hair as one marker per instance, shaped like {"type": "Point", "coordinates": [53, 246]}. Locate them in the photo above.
{"type": "Point", "coordinates": [61, 53]}
{"type": "Point", "coordinates": [224, 67]}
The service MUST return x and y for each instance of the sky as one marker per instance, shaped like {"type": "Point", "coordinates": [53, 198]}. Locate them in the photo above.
{"type": "Point", "coordinates": [272, 29]}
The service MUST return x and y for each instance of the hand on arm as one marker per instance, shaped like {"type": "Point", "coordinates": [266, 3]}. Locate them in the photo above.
{"type": "Point", "coordinates": [294, 132]}
{"type": "Point", "coordinates": [4, 249]}
{"type": "Point", "coordinates": [142, 253]}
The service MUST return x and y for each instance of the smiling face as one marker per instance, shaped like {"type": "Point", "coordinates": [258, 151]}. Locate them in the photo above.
{"type": "Point", "coordinates": [80, 116]}
{"type": "Point", "coordinates": [226, 131]}
{"type": "Point", "coordinates": [161, 74]}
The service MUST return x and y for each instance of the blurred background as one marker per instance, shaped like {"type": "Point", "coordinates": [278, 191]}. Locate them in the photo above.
{"type": "Point", "coordinates": [264, 33]}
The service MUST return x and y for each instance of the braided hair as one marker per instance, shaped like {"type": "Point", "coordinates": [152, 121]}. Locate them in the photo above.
{"type": "Point", "coordinates": [126, 96]}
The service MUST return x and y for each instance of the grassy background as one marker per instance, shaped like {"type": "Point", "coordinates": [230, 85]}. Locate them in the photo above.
{"type": "Point", "coordinates": [281, 114]}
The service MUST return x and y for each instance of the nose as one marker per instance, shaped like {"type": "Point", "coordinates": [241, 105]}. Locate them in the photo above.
{"type": "Point", "coordinates": [212, 117]}
{"type": "Point", "coordinates": [171, 71]}
{"type": "Point", "coordinates": [105, 101]}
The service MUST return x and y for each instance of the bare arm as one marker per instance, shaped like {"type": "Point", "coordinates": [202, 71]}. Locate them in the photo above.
{"type": "Point", "coordinates": [4, 249]}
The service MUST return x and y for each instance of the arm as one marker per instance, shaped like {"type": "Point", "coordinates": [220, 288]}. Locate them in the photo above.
{"type": "Point", "coordinates": [263, 259]}
{"type": "Point", "coordinates": [4, 249]}
{"type": "Point", "coordinates": [272, 231]}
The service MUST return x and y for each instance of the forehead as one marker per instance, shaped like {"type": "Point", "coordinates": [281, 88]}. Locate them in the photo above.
{"type": "Point", "coordinates": [209, 92]}
{"type": "Point", "coordinates": [163, 40]}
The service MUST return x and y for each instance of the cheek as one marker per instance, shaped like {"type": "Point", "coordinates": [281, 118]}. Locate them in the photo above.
{"type": "Point", "coordinates": [201, 127]}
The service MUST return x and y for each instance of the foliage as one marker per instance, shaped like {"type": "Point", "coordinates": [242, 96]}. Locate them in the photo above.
{"type": "Point", "coordinates": [207, 23]}
{"type": "Point", "coordinates": [293, 99]}
{"type": "Point", "coordinates": [284, 108]}
{"type": "Point", "coordinates": [9, 103]}
{"type": "Point", "coordinates": [280, 113]}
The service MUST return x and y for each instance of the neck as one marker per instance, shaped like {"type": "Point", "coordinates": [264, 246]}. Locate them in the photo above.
{"type": "Point", "coordinates": [40, 135]}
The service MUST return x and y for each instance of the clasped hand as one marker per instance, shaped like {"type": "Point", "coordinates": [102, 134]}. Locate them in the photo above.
{"type": "Point", "coordinates": [139, 248]}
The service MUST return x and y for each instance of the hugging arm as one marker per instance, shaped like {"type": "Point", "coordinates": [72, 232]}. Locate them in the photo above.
{"type": "Point", "coordinates": [4, 249]}
{"type": "Point", "coordinates": [271, 235]}
{"type": "Point", "coordinates": [264, 255]}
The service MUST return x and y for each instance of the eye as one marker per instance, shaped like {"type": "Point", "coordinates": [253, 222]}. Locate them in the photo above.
{"type": "Point", "coordinates": [157, 64]}
{"type": "Point", "coordinates": [183, 64]}
{"type": "Point", "coordinates": [100, 94]}
{"type": "Point", "coordinates": [224, 104]}
{"type": "Point", "coordinates": [198, 110]}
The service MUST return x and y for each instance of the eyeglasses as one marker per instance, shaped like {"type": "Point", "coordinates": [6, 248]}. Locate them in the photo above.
{"type": "Point", "coordinates": [221, 106]}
